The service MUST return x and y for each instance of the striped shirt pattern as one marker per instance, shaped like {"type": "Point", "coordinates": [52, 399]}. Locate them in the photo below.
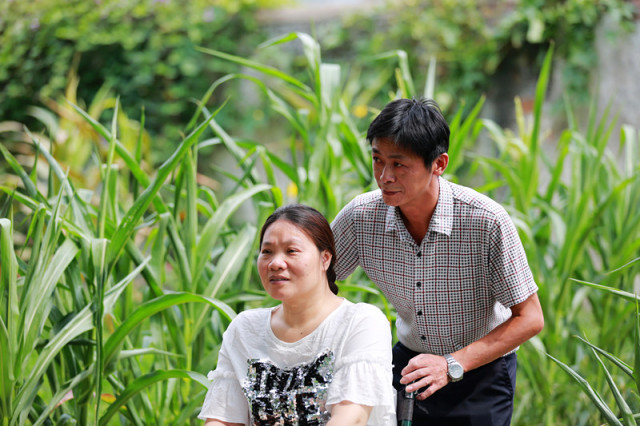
{"type": "Point", "coordinates": [453, 288]}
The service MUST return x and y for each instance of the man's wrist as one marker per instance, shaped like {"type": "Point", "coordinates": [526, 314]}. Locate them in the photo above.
{"type": "Point", "coordinates": [455, 371]}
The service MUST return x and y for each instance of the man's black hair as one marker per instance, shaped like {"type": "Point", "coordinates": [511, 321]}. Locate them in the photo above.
{"type": "Point", "coordinates": [413, 124]}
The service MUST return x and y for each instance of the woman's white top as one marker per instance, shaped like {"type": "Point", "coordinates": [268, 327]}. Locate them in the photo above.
{"type": "Point", "coordinates": [261, 380]}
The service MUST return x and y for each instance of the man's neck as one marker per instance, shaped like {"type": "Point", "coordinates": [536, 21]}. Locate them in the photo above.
{"type": "Point", "coordinates": [418, 218]}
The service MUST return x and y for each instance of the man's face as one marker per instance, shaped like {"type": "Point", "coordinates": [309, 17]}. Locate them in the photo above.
{"type": "Point", "coordinates": [401, 175]}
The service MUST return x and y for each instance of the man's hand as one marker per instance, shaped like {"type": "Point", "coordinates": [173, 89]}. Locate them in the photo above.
{"type": "Point", "coordinates": [425, 370]}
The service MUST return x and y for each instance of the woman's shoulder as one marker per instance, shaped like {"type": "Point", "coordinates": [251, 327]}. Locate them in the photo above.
{"type": "Point", "coordinates": [250, 319]}
{"type": "Point", "coordinates": [363, 313]}
{"type": "Point", "coordinates": [364, 309]}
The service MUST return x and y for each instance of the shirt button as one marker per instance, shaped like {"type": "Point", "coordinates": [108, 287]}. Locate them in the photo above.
{"type": "Point", "coordinates": [418, 284]}
{"type": "Point", "coordinates": [419, 254]}
{"type": "Point", "coordinates": [423, 337]}
{"type": "Point", "coordinates": [419, 313]}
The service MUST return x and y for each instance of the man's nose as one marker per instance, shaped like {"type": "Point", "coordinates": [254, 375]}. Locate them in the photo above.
{"type": "Point", "coordinates": [387, 175]}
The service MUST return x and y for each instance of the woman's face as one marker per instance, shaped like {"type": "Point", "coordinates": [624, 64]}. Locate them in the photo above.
{"type": "Point", "coordinates": [290, 265]}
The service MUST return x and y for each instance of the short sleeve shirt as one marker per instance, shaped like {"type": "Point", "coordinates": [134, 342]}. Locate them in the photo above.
{"type": "Point", "coordinates": [261, 380]}
{"type": "Point", "coordinates": [457, 284]}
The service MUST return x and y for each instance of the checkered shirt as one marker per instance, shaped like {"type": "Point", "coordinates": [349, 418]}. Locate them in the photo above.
{"type": "Point", "coordinates": [453, 288]}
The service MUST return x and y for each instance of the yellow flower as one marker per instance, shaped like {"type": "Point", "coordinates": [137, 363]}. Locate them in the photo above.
{"type": "Point", "coordinates": [360, 111]}
{"type": "Point", "coordinates": [292, 190]}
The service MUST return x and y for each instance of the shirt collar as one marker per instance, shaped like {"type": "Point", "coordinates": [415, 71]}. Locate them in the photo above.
{"type": "Point", "coordinates": [442, 219]}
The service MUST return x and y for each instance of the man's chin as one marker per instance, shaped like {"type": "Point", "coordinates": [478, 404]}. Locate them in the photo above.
{"type": "Point", "coordinates": [391, 200]}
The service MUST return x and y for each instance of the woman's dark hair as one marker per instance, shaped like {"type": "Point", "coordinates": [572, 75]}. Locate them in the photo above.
{"type": "Point", "coordinates": [312, 223]}
{"type": "Point", "coordinates": [413, 124]}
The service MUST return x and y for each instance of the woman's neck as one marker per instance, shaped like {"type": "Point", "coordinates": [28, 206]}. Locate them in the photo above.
{"type": "Point", "coordinates": [294, 320]}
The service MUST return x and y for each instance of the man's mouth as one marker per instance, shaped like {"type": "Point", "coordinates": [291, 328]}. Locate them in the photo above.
{"type": "Point", "coordinates": [389, 191]}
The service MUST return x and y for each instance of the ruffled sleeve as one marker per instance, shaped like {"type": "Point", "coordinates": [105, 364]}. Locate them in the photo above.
{"type": "Point", "coordinates": [363, 374]}
{"type": "Point", "coordinates": [225, 400]}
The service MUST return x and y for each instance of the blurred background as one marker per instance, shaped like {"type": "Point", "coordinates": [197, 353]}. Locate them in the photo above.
{"type": "Point", "coordinates": [145, 53]}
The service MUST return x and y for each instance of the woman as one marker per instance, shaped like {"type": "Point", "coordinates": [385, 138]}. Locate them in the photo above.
{"type": "Point", "coordinates": [316, 358]}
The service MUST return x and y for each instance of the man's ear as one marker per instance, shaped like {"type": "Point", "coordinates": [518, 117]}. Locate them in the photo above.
{"type": "Point", "coordinates": [440, 164]}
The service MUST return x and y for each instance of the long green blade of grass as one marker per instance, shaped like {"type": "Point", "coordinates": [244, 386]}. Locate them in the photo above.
{"type": "Point", "coordinates": [9, 315]}
{"type": "Point", "coordinates": [127, 227]}
{"type": "Point", "coordinates": [636, 353]}
{"type": "Point", "coordinates": [614, 359]}
{"type": "Point", "coordinates": [105, 194]}
{"type": "Point", "coordinates": [621, 293]}
{"type": "Point", "coordinates": [403, 72]}
{"type": "Point", "coordinates": [624, 408]}
{"type": "Point", "coordinates": [209, 235]}
{"type": "Point", "coordinates": [99, 261]}
{"type": "Point", "coordinates": [78, 206]}
{"type": "Point", "coordinates": [143, 382]}
{"type": "Point", "coordinates": [154, 306]}
{"type": "Point", "coordinates": [79, 324]}
{"type": "Point", "coordinates": [60, 394]}
{"type": "Point", "coordinates": [19, 170]}
{"type": "Point", "coordinates": [590, 392]}
{"type": "Point", "coordinates": [132, 164]}
{"type": "Point", "coordinates": [267, 70]}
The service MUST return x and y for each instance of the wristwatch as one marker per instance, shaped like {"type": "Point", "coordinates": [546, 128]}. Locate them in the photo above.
{"type": "Point", "coordinates": [455, 370]}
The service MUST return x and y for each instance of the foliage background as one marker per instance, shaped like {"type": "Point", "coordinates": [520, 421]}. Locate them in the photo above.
{"type": "Point", "coordinates": [111, 209]}
{"type": "Point", "coordinates": [142, 50]}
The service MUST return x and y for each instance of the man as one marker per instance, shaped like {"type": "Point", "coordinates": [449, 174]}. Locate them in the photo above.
{"type": "Point", "coordinates": [450, 261]}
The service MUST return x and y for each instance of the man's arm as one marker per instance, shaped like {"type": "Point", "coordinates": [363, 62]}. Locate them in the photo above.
{"type": "Point", "coordinates": [526, 321]}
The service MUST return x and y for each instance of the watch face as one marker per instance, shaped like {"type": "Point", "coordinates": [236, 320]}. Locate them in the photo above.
{"type": "Point", "coordinates": [456, 371]}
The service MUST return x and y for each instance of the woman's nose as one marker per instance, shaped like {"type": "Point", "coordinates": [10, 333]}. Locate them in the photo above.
{"type": "Point", "coordinates": [277, 263]}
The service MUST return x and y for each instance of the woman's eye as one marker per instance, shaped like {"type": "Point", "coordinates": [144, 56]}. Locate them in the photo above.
{"type": "Point", "coordinates": [398, 165]}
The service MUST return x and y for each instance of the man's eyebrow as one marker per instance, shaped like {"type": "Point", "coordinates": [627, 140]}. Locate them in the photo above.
{"type": "Point", "coordinates": [398, 155]}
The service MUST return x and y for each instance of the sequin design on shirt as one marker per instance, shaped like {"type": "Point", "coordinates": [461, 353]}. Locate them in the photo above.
{"type": "Point", "coordinates": [289, 397]}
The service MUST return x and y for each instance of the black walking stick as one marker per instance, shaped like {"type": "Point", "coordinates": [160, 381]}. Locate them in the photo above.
{"type": "Point", "coordinates": [405, 414]}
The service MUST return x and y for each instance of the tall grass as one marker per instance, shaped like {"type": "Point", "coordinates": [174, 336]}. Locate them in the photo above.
{"type": "Point", "coordinates": [578, 223]}
{"type": "Point", "coordinates": [75, 327]}
{"type": "Point", "coordinates": [115, 296]}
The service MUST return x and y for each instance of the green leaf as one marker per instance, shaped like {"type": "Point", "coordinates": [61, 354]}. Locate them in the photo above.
{"type": "Point", "coordinates": [60, 394]}
{"type": "Point", "coordinates": [19, 170]}
{"type": "Point", "coordinates": [209, 235]}
{"type": "Point", "coordinates": [80, 323]}
{"type": "Point", "coordinates": [621, 293]}
{"type": "Point", "coordinates": [267, 70]}
{"type": "Point", "coordinates": [590, 392]}
{"type": "Point", "coordinates": [126, 228]}
{"type": "Point", "coordinates": [154, 306]}
{"type": "Point", "coordinates": [617, 361]}
{"type": "Point", "coordinates": [9, 314]}
{"type": "Point", "coordinates": [627, 415]}
{"type": "Point", "coordinates": [141, 383]}
{"type": "Point", "coordinates": [430, 83]}
{"type": "Point", "coordinates": [636, 353]}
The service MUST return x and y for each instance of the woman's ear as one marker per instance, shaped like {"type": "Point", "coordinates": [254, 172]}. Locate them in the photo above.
{"type": "Point", "coordinates": [326, 259]}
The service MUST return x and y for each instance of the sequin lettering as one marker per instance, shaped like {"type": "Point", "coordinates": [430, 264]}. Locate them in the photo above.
{"type": "Point", "coordinates": [289, 397]}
